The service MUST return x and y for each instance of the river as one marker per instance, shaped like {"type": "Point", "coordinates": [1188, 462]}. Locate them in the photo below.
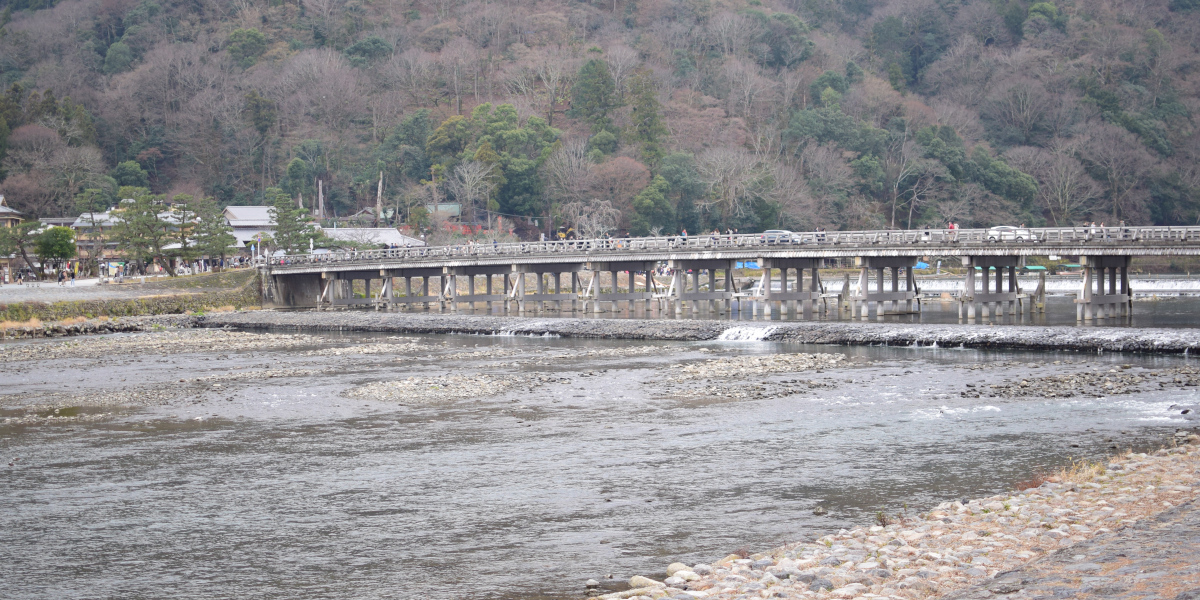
{"type": "Point", "coordinates": [289, 487]}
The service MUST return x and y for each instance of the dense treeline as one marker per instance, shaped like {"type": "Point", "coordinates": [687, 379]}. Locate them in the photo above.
{"type": "Point", "coordinates": [615, 115]}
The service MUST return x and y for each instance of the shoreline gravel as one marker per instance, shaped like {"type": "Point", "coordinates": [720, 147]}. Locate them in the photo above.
{"type": "Point", "coordinates": [1009, 337]}
{"type": "Point", "coordinates": [964, 545]}
{"type": "Point", "coordinates": [1014, 337]}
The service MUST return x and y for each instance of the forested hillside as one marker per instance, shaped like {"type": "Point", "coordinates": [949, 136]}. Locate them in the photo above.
{"type": "Point", "coordinates": [617, 115]}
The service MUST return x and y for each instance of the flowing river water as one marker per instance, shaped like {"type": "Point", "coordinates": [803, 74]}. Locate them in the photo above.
{"type": "Point", "coordinates": [553, 460]}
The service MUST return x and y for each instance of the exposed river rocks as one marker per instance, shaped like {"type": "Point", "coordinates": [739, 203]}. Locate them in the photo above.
{"type": "Point", "coordinates": [373, 459]}
{"type": "Point", "coordinates": [161, 342]}
{"type": "Point", "coordinates": [449, 388]}
{"type": "Point", "coordinates": [747, 377]}
{"type": "Point", "coordinates": [1125, 379]}
{"type": "Point", "coordinates": [1107, 339]}
{"type": "Point", "coordinates": [962, 543]}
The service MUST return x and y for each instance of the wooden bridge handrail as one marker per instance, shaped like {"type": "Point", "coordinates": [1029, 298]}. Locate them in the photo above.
{"type": "Point", "coordinates": [951, 238]}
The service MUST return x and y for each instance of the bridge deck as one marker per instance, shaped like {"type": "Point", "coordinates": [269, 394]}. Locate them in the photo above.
{"type": "Point", "coordinates": [1111, 241]}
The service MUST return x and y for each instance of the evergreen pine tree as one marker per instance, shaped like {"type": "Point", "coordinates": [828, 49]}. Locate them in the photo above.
{"type": "Point", "coordinates": [648, 128]}
{"type": "Point", "coordinates": [594, 95]}
{"type": "Point", "coordinates": [292, 229]}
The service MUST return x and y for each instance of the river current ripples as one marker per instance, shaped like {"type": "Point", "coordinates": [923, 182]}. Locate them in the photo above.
{"type": "Point", "coordinates": [588, 461]}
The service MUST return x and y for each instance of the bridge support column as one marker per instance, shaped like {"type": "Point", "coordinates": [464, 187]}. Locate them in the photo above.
{"type": "Point", "coordinates": [298, 290]}
{"type": "Point", "coordinates": [409, 300]}
{"type": "Point", "coordinates": [795, 296]}
{"type": "Point", "coordinates": [681, 293]}
{"type": "Point", "coordinates": [991, 294]}
{"type": "Point", "coordinates": [881, 299]}
{"type": "Point", "coordinates": [1093, 302]}
{"type": "Point", "coordinates": [472, 297]}
{"type": "Point", "coordinates": [634, 300]}
{"type": "Point", "coordinates": [542, 292]}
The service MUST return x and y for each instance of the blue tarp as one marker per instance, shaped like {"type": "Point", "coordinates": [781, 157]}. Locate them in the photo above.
{"type": "Point", "coordinates": [747, 265]}
{"type": "Point", "coordinates": [921, 265]}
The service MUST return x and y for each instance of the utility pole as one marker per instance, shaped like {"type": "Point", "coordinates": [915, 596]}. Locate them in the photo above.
{"type": "Point", "coordinates": [320, 199]}
{"type": "Point", "coordinates": [379, 200]}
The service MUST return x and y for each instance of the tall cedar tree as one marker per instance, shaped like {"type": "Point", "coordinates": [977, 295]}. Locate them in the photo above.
{"type": "Point", "coordinates": [648, 128]}
{"type": "Point", "coordinates": [594, 95]}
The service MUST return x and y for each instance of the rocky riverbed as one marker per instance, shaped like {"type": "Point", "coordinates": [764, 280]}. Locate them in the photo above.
{"type": "Point", "coordinates": [449, 388]}
{"type": "Point", "coordinates": [1091, 382]}
{"type": "Point", "coordinates": [961, 543]}
{"type": "Point", "coordinates": [581, 456]}
{"type": "Point", "coordinates": [836, 333]}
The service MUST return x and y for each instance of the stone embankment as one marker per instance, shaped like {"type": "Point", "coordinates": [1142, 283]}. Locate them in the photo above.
{"type": "Point", "coordinates": [102, 326]}
{"type": "Point", "coordinates": [1142, 340]}
{"type": "Point", "coordinates": [1128, 528]}
{"type": "Point", "coordinates": [839, 333]}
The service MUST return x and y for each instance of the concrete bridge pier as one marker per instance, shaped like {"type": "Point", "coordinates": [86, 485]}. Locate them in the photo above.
{"type": "Point", "coordinates": [994, 292]}
{"type": "Point", "coordinates": [338, 288]}
{"type": "Point", "coordinates": [422, 296]}
{"type": "Point", "coordinates": [1097, 300]}
{"type": "Point", "coordinates": [303, 290]}
{"type": "Point", "coordinates": [882, 299]}
{"type": "Point", "coordinates": [634, 300]}
{"type": "Point", "coordinates": [721, 298]}
{"type": "Point", "coordinates": [542, 291]}
{"type": "Point", "coordinates": [473, 296]}
{"type": "Point", "coordinates": [787, 299]}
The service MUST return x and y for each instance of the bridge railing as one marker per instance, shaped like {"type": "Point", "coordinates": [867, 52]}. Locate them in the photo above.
{"type": "Point", "coordinates": [715, 241]}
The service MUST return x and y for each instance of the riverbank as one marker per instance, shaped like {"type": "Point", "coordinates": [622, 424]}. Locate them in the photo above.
{"type": "Point", "coordinates": [198, 293]}
{"type": "Point", "coordinates": [617, 457]}
{"type": "Point", "coordinates": [1056, 533]}
{"type": "Point", "coordinates": [1016, 337]}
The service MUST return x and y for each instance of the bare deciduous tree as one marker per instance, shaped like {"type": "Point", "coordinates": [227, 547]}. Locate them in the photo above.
{"type": "Point", "coordinates": [568, 171]}
{"type": "Point", "coordinates": [1023, 106]}
{"type": "Point", "coordinates": [472, 185]}
{"type": "Point", "coordinates": [458, 58]}
{"type": "Point", "coordinates": [415, 72]}
{"type": "Point", "coordinates": [73, 168]}
{"type": "Point", "coordinates": [731, 175]}
{"type": "Point", "coordinates": [1065, 189]}
{"type": "Point", "coordinates": [959, 204]}
{"type": "Point", "coordinates": [621, 63]}
{"type": "Point", "coordinates": [1122, 164]}
{"type": "Point", "coordinates": [731, 32]}
{"type": "Point", "coordinates": [555, 68]}
{"type": "Point", "coordinates": [747, 86]}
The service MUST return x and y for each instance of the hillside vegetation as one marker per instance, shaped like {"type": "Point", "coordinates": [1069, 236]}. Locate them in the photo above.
{"type": "Point", "coordinates": [615, 116]}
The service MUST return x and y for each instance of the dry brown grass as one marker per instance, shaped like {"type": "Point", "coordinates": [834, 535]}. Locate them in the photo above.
{"type": "Point", "coordinates": [34, 322]}
{"type": "Point", "coordinates": [72, 321]}
{"type": "Point", "coordinates": [1083, 470]}
{"type": "Point", "coordinates": [226, 308]}
{"type": "Point", "coordinates": [1033, 482]}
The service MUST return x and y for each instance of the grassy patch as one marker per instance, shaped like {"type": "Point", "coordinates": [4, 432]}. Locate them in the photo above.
{"type": "Point", "coordinates": [205, 281]}
{"type": "Point", "coordinates": [20, 314]}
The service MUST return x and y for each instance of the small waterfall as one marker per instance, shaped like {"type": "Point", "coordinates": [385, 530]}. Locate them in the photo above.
{"type": "Point", "coordinates": [746, 334]}
{"type": "Point", "coordinates": [508, 333]}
